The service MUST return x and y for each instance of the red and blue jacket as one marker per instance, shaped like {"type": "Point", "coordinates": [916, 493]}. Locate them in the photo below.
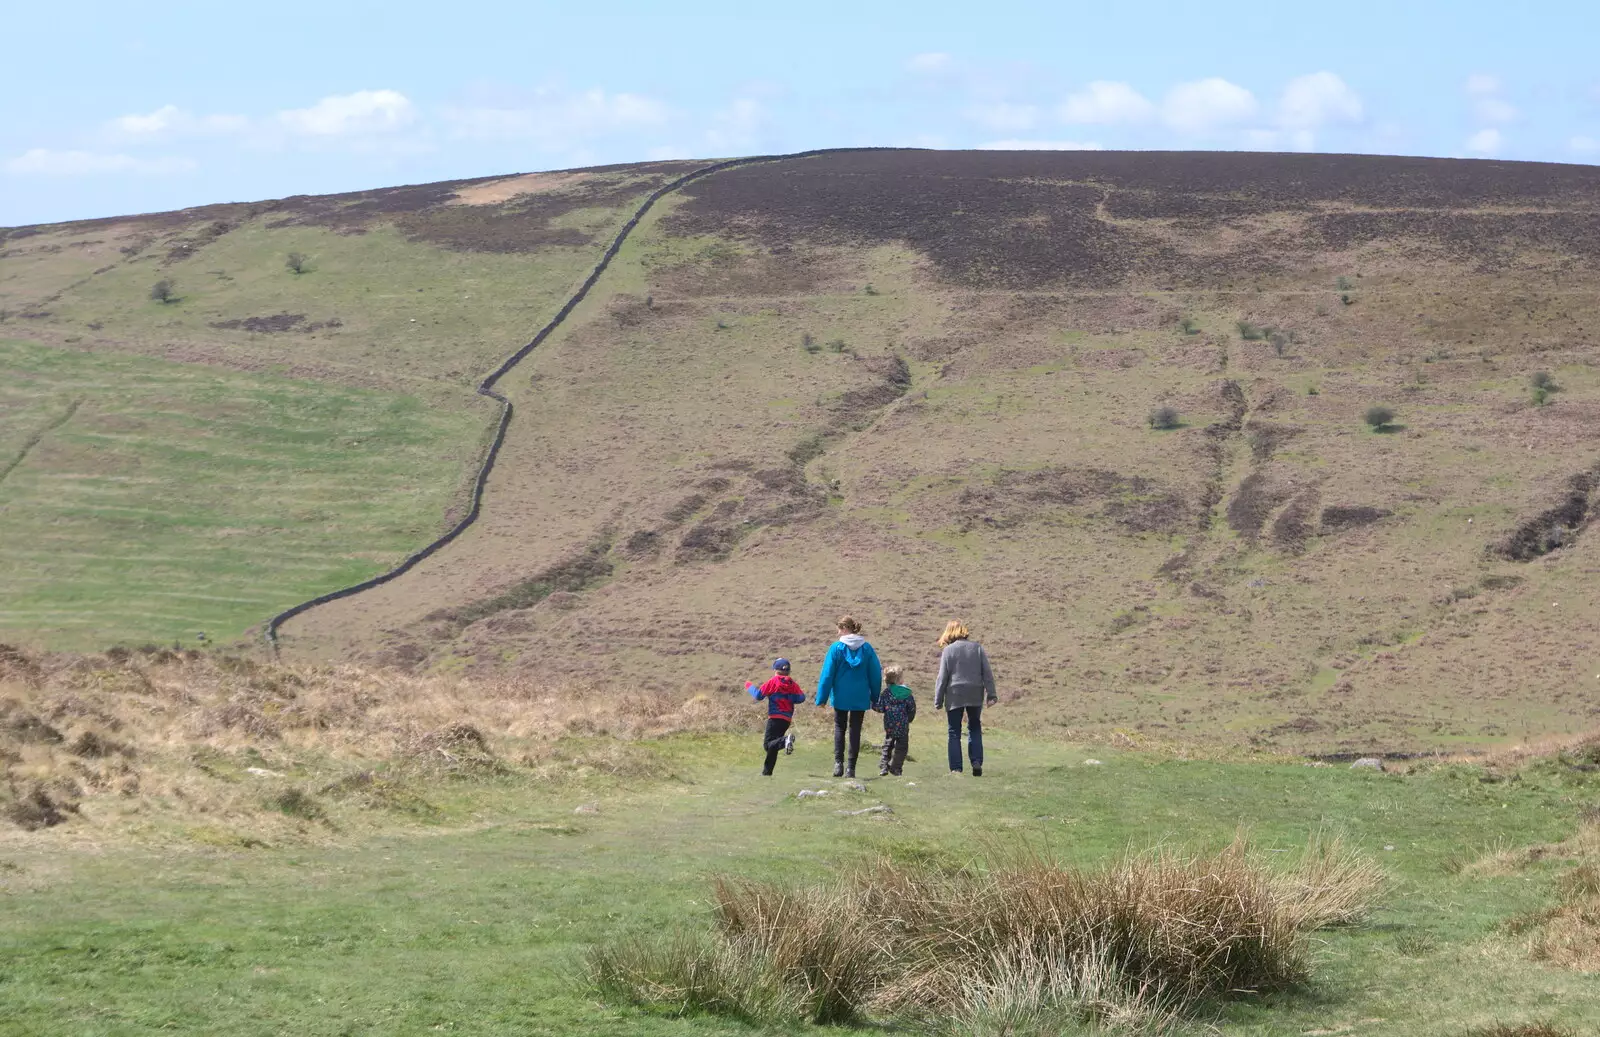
{"type": "Point", "coordinates": [781, 693]}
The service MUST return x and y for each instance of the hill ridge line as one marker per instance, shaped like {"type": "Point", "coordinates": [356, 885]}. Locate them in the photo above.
{"type": "Point", "coordinates": [486, 387]}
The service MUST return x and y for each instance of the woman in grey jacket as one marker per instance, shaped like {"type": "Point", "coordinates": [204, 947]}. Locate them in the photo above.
{"type": "Point", "coordinates": [964, 687]}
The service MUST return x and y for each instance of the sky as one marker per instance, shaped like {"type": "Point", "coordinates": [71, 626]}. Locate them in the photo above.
{"type": "Point", "coordinates": [114, 108]}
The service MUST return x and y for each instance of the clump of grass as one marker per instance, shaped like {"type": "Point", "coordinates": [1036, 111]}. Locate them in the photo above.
{"type": "Point", "coordinates": [1539, 1029]}
{"type": "Point", "coordinates": [1022, 945]}
{"type": "Point", "coordinates": [297, 802]}
{"type": "Point", "coordinates": [688, 974]}
{"type": "Point", "coordinates": [809, 343]}
{"type": "Point", "coordinates": [1251, 332]}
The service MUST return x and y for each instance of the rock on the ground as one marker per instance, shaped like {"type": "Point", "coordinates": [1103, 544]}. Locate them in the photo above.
{"type": "Point", "coordinates": [855, 786]}
{"type": "Point", "coordinates": [1093, 763]}
{"type": "Point", "coordinates": [810, 793]}
{"type": "Point", "coordinates": [881, 808]}
{"type": "Point", "coordinates": [1368, 763]}
{"type": "Point", "coordinates": [587, 808]}
{"type": "Point", "coordinates": [262, 772]}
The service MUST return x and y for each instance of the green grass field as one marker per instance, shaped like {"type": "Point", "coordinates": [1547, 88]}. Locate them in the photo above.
{"type": "Point", "coordinates": [142, 500]}
{"type": "Point", "coordinates": [476, 924]}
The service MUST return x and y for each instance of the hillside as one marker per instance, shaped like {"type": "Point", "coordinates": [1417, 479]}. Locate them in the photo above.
{"type": "Point", "coordinates": [901, 384]}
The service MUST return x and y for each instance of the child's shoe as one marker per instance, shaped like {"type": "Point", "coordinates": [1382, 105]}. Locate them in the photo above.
{"type": "Point", "coordinates": [788, 743]}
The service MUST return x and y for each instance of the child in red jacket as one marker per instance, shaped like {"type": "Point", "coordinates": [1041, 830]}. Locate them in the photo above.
{"type": "Point", "coordinates": [782, 694]}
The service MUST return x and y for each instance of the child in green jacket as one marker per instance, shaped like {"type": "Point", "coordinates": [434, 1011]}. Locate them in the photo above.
{"type": "Point", "coordinates": [899, 709]}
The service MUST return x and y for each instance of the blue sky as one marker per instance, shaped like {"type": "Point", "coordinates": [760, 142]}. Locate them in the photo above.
{"type": "Point", "coordinates": [117, 108]}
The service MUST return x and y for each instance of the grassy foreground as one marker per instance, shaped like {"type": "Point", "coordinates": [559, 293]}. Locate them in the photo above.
{"type": "Point", "coordinates": [146, 500]}
{"type": "Point", "coordinates": [300, 916]}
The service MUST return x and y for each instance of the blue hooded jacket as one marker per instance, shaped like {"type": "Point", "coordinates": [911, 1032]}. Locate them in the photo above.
{"type": "Point", "coordinates": [851, 675]}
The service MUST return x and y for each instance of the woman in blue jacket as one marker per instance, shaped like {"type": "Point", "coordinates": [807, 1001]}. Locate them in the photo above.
{"type": "Point", "coordinates": [850, 681]}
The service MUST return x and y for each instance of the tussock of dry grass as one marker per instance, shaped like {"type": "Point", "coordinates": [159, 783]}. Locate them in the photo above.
{"type": "Point", "coordinates": [1567, 933]}
{"type": "Point", "coordinates": [1024, 945]}
{"type": "Point", "coordinates": [75, 729]}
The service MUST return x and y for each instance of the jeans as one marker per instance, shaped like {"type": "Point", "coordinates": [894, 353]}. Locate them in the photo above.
{"type": "Point", "coordinates": [772, 741]}
{"type": "Point", "coordinates": [842, 718]}
{"type": "Point", "coordinates": [974, 736]}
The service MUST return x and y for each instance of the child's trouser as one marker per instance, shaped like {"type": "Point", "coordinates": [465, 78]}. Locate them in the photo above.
{"type": "Point", "coordinates": [772, 741]}
{"type": "Point", "coordinates": [893, 758]}
{"type": "Point", "coordinates": [843, 719]}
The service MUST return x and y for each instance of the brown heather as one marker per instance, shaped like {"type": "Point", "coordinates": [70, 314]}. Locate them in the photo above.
{"type": "Point", "coordinates": [91, 735]}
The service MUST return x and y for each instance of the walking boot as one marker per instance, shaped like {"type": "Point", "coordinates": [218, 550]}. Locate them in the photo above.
{"type": "Point", "coordinates": [838, 768]}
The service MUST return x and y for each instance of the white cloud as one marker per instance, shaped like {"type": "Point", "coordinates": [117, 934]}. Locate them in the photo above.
{"type": "Point", "coordinates": [738, 126]}
{"type": "Point", "coordinates": [1207, 105]}
{"type": "Point", "coordinates": [1316, 100]}
{"type": "Point", "coordinates": [1485, 142]}
{"type": "Point", "coordinates": [44, 161]}
{"type": "Point", "coordinates": [349, 115]}
{"type": "Point", "coordinates": [1488, 106]}
{"type": "Point", "coordinates": [934, 61]}
{"type": "Point", "coordinates": [1041, 145]}
{"type": "Point", "coordinates": [1584, 145]}
{"type": "Point", "coordinates": [171, 121]}
{"type": "Point", "coordinates": [557, 119]}
{"type": "Point", "coordinates": [667, 153]}
{"type": "Point", "coordinates": [1105, 103]}
{"type": "Point", "coordinates": [1494, 109]}
{"type": "Point", "coordinates": [1003, 116]}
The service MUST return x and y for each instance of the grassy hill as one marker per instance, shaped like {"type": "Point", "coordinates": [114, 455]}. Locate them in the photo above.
{"type": "Point", "coordinates": [197, 843]}
{"type": "Point", "coordinates": [910, 385]}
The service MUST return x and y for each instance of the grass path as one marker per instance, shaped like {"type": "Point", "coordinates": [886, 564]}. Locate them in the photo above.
{"type": "Point", "coordinates": [477, 929]}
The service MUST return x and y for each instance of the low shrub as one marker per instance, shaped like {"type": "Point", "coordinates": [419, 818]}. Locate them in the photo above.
{"type": "Point", "coordinates": [1379, 418]}
{"type": "Point", "coordinates": [1163, 418]}
{"type": "Point", "coordinates": [1251, 332]}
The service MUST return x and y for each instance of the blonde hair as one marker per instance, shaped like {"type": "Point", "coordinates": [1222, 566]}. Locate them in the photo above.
{"type": "Point", "coordinates": [892, 674]}
{"type": "Point", "coordinates": [849, 623]}
{"type": "Point", "coordinates": [955, 630]}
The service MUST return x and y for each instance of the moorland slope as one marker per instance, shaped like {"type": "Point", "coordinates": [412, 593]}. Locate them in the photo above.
{"type": "Point", "coordinates": [916, 384]}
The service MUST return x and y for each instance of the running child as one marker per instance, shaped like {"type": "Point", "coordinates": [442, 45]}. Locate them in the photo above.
{"type": "Point", "coordinates": [781, 693]}
{"type": "Point", "coordinates": [899, 709]}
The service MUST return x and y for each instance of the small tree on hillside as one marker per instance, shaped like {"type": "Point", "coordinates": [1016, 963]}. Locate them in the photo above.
{"type": "Point", "coordinates": [1163, 418]}
{"type": "Point", "coordinates": [164, 291]}
{"type": "Point", "coordinates": [1543, 380]}
{"type": "Point", "coordinates": [296, 262]}
{"type": "Point", "coordinates": [1379, 418]}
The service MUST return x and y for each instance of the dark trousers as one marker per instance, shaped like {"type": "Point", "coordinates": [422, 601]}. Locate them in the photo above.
{"type": "Point", "coordinates": [772, 741]}
{"type": "Point", "coordinates": [974, 736]}
{"type": "Point", "coordinates": [893, 758]}
{"type": "Point", "coordinates": [850, 718]}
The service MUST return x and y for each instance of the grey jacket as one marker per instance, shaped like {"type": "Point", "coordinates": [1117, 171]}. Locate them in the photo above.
{"type": "Point", "coordinates": [964, 677]}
